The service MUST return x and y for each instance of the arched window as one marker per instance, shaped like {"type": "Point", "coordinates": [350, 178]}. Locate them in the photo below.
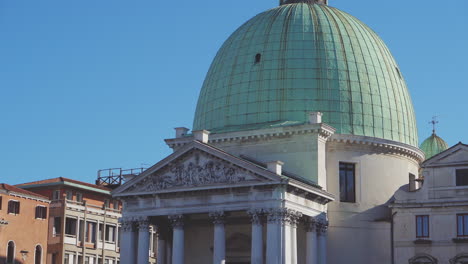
{"type": "Point", "coordinates": [460, 259]}
{"type": "Point", "coordinates": [258, 58]}
{"type": "Point", "coordinates": [38, 255]}
{"type": "Point", "coordinates": [423, 259]}
{"type": "Point", "coordinates": [11, 252]}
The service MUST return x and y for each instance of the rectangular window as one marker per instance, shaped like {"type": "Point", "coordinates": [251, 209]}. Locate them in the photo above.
{"type": "Point", "coordinates": [70, 226]}
{"type": "Point", "coordinates": [110, 233]}
{"type": "Point", "coordinates": [462, 225]}
{"type": "Point", "coordinates": [106, 203]}
{"type": "Point", "coordinates": [69, 195]}
{"type": "Point", "coordinates": [116, 205]}
{"type": "Point", "coordinates": [0, 202]}
{"type": "Point", "coordinates": [57, 226]}
{"type": "Point", "coordinates": [462, 177]}
{"type": "Point", "coordinates": [86, 260]}
{"type": "Point", "coordinates": [56, 195]}
{"type": "Point", "coordinates": [13, 207]}
{"type": "Point", "coordinates": [79, 197]}
{"type": "Point", "coordinates": [41, 212]}
{"type": "Point", "coordinates": [422, 226]}
{"type": "Point", "coordinates": [347, 182]}
{"type": "Point", "coordinates": [90, 234]}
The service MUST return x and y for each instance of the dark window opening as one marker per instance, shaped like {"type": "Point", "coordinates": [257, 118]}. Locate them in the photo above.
{"type": "Point", "coordinates": [462, 225]}
{"type": "Point", "coordinates": [57, 226]}
{"type": "Point", "coordinates": [38, 255]}
{"type": "Point", "coordinates": [462, 177]}
{"type": "Point", "coordinates": [0, 203]}
{"type": "Point", "coordinates": [41, 212]}
{"type": "Point", "coordinates": [347, 182]}
{"type": "Point", "coordinates": [11, 252]}
{"type": "Point", "coordinates": [258, 58]}
{"type": "Point", "coordinates": [422, 226]}
{"type": "Point", "coordinates": [70, 226]}
{"type": "Point", "coordinates": [13, 207]}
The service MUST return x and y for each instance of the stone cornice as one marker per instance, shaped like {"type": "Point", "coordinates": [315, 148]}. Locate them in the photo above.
{"type": "Point", "coordinates": [386, 146]}
{"type": "Point", "coordinates": [323, 130]}
{"type": "Point", "coordinates": [429, 204]}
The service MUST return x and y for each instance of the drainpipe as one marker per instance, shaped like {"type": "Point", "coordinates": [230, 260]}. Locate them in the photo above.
{"type": "Point", "coordinates": [392, 243]}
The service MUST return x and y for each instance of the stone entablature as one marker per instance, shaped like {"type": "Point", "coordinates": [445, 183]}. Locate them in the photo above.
{"type": "Point", "coordinates": [323, 130]}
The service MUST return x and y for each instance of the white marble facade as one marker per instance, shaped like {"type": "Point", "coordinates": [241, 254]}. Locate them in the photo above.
{"type": "Point", "coordinates": [266, 196]}
{"type": "Point", "coordinates": [441, 201]}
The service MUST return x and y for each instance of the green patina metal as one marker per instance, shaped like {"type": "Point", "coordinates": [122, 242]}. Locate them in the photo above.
{"type": "Point", "coordinates": [433, 145]}
{"type": "Point", "coordinates": [300, 58]}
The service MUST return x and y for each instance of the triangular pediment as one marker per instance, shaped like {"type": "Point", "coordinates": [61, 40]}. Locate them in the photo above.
{"type": "Point", "coordinates": [197, 166]}
{"type": "Point", "coordinates": [455, 155]}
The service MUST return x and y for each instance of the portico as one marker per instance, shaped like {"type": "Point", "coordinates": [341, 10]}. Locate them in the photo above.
{"type": "Point", "coordinates": [211, 207]}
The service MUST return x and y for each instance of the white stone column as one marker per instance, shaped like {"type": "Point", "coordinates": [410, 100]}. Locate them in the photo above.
{"type": "Point", "coordinates": [274, 252]}
{"type": "Point", "coordinates": [257, 236]}
{"type": "Point", "coordinates": [311, 241]}
{"type": "Point", "coordinates": [322, 228]}
{"type": "Point", "coordinates": [178, 249]}
{"type": "Point", "coordinates": [143, 240]}
{"type": "Point", "coordinates": [219, 240]}
{"type": "Point", "coordinates": [128, 243]}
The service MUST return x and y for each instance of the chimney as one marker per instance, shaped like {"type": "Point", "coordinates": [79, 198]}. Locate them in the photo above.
{"type": "Point", "coordinates": [181, 131]}
{"type": "Point", "coordinates": [201, 135]}
{"type": "Point", "coordinates": [275, 166]}
{"type": "Point", "coordinates": [315, 118]}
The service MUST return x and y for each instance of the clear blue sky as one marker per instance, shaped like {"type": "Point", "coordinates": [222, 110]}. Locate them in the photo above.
{"type": "Point", "coordinates": [87, 85]}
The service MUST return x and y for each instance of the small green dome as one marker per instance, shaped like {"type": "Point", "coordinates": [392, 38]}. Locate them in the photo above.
{"type": "Point", "coordinates": [305, 57]}
{"type": "Point", "coordinates": [433, 145]}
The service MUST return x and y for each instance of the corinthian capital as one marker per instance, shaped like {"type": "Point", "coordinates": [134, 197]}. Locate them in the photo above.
{"type": "Point", "coordinates": [176, 220]}
{"type": "Point", "coordinates": [256, 216]}
{"type": "Point", "coordinates": [322, 227]}
{"type": "Point", "coordinates": [127, 224]}
{"type": "Point", "coordinates": [284, 216]}
{"type": "Point", "coordinates": [218, 217]}
{"type": "Point", "coordinates": [142, 223]}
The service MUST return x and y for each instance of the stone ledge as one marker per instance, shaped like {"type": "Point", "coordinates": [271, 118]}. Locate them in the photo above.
{"type": "Point", "coordinates": [460, 240]}
{"type": "Point", "coordinates": [422, 242]}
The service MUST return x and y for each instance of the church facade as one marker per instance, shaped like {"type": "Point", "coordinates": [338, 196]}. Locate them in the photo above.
{"type": "Point", "coordinates": [304, 130]}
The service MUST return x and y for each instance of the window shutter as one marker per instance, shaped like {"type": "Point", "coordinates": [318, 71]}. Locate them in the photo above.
{"type": "Point", "coordinates": [38, 213]}
{"type": "Point", "coordinates": [18, 208]}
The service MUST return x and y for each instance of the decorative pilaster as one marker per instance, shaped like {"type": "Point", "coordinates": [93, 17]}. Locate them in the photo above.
{"type": "Point", "coordinates": [143, 239]}
{"type": "Point", "coordinates": [256, 216]}
{"type": "Point", "coordinates": [129, 241]}
{"type": "Point", "coordinates": [310, 224]}
{"type": "Point", "coordinates": [177, 222]}
{"type": "Point", "coordinates": [322, 228]}
{"type": "Point", "coordinates": [219, 244]}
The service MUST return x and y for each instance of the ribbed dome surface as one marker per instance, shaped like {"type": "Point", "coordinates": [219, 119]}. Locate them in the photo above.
{"type": "Point", "coordinates": [300, 58]}
{"type": "Point", "coordinates": [433, 145]}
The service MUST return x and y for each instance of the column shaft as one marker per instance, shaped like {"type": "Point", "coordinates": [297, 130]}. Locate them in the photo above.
{"type": "Point", "coordinates": [143, 241]}
{"type": "Point", "coordinates": [322, 228]}
{"type": "Point", "coordinates": [274, 252]}
{"type": "Point", "coordinates": [311, 243]}
{"type": "Point", "coordinates": [219, 253]}
{"type": "Point", "coordinates": [257, 244]}
{"type": "Point", "coordinates": [178, 249]}
{"type": "Point", "coordinates": [178, 246]}
{"type": "Point", "coordinates": [128, 243]}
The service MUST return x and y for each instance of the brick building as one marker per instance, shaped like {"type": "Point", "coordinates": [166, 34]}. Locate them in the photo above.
{"type": "Point", "coordinates": [23, 226]}
{"type": "Point", "coordinates": [83, 222]}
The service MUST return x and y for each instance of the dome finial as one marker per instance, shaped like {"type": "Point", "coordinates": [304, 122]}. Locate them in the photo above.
{"type": "Point", "coordinates": [434, 122]}
{"type": "Point", "coordinates": [285, 2]}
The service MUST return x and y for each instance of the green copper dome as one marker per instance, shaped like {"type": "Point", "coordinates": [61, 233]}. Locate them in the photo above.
{"type": "Point", "coordinates": [300, 58]}
{"type": "Point", "coordinates": [433, 145]}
